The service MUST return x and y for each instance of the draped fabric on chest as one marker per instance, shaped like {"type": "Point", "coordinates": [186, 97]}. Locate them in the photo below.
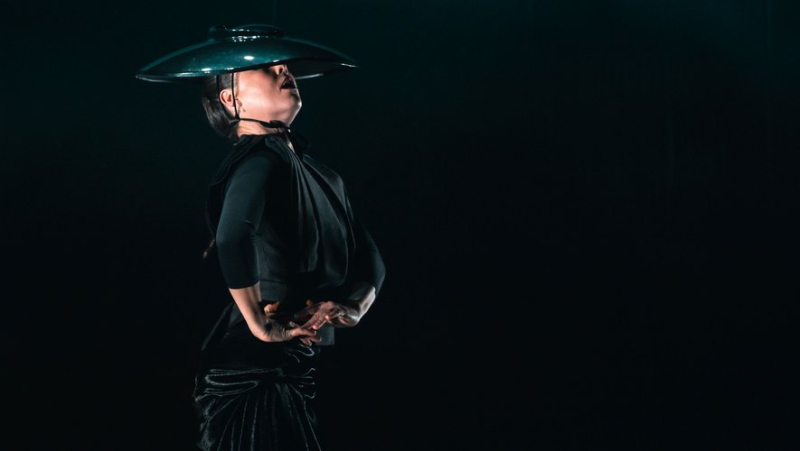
{"type": "Point", "coordinates": [321, 223]}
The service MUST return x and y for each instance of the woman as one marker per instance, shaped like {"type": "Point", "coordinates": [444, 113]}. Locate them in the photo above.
{"type": "Point", "coordinates": [296, 261]}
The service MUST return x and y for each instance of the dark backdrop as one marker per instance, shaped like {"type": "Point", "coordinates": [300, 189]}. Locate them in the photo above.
{"type": "Point", "coordinates": [587, 211]}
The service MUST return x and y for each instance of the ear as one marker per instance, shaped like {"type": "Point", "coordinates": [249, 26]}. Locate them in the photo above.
{"type": "Point", "coordinates": [226, 97]}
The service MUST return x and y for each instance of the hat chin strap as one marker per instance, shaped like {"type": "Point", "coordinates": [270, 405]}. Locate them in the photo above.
{"type": "Point", "coordinates": [236, 118]}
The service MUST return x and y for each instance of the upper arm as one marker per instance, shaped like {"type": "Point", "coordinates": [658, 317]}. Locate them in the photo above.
{"type": "Point", "coordinates": [242, 210]}
{"type": "Point", "coordinates": [245, 194]}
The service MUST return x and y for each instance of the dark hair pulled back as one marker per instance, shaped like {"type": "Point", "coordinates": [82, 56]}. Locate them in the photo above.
{"type": "Point", "coordinates": [218, 116]}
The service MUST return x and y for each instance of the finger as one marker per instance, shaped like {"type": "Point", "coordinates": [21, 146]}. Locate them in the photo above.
{"type": "Point", "coordinates": [271, 307]}
{"type": "Point", "coordinates": [301, 332]}
{"type": "Point", "coordinates": [301, 315]}
{"type": "Point", "coordinates": [294, 325]}
{"type": "Point", "coordinates": [335, 314]}
{"type": "Point", "coordinates": [313, 321]}
{"type": "Point", "coordinates": [299, 336]}
{"type": "Point", "coordinates": [311, 309]}
{"type": "Point", "coordinates": [318, 321]}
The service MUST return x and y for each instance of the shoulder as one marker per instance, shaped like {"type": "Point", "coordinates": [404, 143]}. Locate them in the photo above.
{"type": "Point", "coordinates": [258, 168]}
{"type": "Point", "coordinates": [259, 159]}
{"type": "Point", "coordinates": [261, 156]}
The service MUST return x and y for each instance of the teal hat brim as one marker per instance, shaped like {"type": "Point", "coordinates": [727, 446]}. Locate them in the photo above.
{"type": "Point", "coordinates": [241, 48]}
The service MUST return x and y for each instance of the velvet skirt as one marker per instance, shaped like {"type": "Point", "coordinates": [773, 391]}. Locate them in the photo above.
{"type": "Point", "coordinates": [252, 395]}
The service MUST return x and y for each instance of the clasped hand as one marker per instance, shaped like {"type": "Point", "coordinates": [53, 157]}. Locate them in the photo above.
{"type": "Point", "coordinates": [305, 323]}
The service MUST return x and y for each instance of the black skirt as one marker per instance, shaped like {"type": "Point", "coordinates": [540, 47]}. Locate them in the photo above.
{"type": "Point", "coordinates": [253, 395]}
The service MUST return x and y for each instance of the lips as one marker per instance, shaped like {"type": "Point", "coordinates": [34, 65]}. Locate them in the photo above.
{"type": "Point", "coordinates": [289, 83]}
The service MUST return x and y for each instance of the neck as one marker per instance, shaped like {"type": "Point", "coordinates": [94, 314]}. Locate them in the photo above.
{"type": "Point", "coordinates": [254, 128]}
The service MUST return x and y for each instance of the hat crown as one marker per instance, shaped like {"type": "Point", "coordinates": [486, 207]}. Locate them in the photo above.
{"type": "Point", "coordinates": [249, 30]}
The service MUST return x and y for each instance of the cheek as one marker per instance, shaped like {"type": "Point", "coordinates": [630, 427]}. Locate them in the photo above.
{"type": "Point", "coordinates": [263, 99]}
{"type": "Point", "coordinates": [267, 98]}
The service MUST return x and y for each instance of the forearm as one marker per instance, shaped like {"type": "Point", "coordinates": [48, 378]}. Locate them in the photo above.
{"type": "Point", "coordinates": [247, 299]}
{"type": "Point", "coordinates": [361, 298]}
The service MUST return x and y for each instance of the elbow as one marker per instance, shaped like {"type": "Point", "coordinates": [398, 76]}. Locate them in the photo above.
{"type": "Point", "coordinates": [379, 276]}
{"type": "Point", "coordinates": [232, 239]}
{"type": "Point", "coordinates": [380, 271]}
{"type": "Point", "coordinates": [229, 244]}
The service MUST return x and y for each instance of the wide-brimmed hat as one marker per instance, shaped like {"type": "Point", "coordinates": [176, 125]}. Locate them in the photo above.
{"type": "Point", "coordinates": [245, 47]}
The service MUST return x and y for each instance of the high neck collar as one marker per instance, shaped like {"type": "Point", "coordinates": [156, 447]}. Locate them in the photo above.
{"type": "Point", "coordinates": [299, 142]}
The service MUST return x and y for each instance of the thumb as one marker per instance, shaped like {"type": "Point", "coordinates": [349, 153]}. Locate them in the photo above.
{"type": "Point", "coordinates": [271, 307]}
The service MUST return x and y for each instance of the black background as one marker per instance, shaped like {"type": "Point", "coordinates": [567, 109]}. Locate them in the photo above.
{"type": "Point", "coordinates": [587, 211]}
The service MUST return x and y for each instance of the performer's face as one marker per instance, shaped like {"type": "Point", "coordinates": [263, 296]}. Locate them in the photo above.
{"type": "Point", "coordinates": [261, 94]}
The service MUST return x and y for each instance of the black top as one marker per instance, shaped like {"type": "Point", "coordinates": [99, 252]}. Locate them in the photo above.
{"type": "Point", "coordinates": [284, 219]}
